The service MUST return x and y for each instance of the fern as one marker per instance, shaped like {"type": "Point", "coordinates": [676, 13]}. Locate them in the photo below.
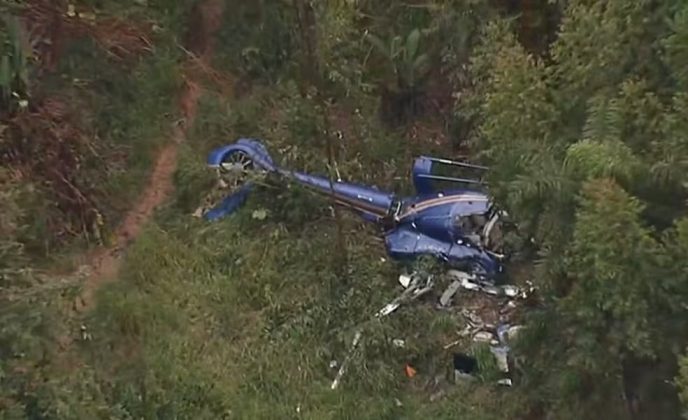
{"type": "Point", "coordinates": [594, 159]}
{"type": "Point", "coordinates": [604, 122]}
{"type": "Point", "coordinates": [676, 46]}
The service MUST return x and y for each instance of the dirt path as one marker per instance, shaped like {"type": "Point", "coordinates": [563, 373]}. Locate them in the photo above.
{"type": "Point", "coordinates": [103, 264]}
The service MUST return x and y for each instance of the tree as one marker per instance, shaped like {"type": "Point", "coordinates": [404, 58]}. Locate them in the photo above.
{"type": "Point", "coordinates": [588, 151]}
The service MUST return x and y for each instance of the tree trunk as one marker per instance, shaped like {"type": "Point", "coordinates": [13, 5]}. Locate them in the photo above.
{"type": "Point", "coordinates": [312, 77]}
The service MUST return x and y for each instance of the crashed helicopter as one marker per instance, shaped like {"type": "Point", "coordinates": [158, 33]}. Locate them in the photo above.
{"type": "Point", "coordinates": [458, 224]}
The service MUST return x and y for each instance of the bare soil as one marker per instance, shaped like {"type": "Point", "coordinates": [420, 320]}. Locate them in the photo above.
{"type": "Point", "coordinates": [103, 264]}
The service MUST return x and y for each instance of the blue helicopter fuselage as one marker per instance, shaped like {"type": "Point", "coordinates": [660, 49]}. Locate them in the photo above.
{"type": "Point", "coordinates": [431, 223]}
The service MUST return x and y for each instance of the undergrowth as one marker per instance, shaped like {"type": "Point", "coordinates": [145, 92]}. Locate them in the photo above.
{"type": "Point", "coordinates": [124, 111]}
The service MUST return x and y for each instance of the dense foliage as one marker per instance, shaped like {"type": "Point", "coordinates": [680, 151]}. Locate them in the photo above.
{"type": "Point", "coordinates": [587, 144]}
{"type": "Point", "coordinates": [577, 106]}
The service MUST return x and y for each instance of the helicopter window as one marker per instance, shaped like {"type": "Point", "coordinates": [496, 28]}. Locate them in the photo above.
{"type": "Point", "coordinates": [471, 227]}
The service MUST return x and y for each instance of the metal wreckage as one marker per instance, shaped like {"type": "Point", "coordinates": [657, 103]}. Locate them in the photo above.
{"type": "Point", "coordinates": [450, 218]}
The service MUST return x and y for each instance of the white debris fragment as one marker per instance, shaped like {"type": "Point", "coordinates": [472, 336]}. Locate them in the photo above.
{"type": "Point", "coordinates": [466, 331]}
{"type": "Point", "coordinates": [399, 343]}
{"type": "Point", "coordinates": [487, 230]}
{"type": "Point", "coordinates": [484, 337]}
{"type": "Point", "coordinates": [491, 290]}
{"type": "Point", "coordinates": [509, 305]}
{"type": "Point", "coordinates": [471, 282]}
{"type": "Point", "coordinates": [452, 344]}
{"type": "Point", "coordinates": [511, 291]}
{"type": "Point", "coordinates": [342, 369]}
{"type": "Point", "coordinates": [405, 280]}
{"type": "Point", "coordinates": [449, 293]}
{"type": "Point", "coordinates": [85, 335]}
{"type": "Point", "coordinates": [387, 309]}
{"type": "Point", "coordinates": [501, 355]}
{"type": "Point", "coordinates": [469, 285]}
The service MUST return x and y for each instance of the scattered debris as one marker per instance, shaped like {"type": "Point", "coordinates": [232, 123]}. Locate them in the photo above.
{"type": "Point", "coordinates": [471, 282]}
{"type": "Point", "coordinates": [488, 314]}
{"type": "Point", "coordinates": [418, 286]}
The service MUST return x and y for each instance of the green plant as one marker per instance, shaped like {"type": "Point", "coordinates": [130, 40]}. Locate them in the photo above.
{"type": "Point", "coordinates": [406, 71]}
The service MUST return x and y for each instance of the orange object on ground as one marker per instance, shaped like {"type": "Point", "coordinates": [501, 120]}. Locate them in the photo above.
{"type": "Point", "coordinates": [410, 371]}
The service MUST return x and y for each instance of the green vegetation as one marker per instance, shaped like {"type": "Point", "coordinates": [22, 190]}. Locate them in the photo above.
{"type": "Point", "coordinates": [584, 129]}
